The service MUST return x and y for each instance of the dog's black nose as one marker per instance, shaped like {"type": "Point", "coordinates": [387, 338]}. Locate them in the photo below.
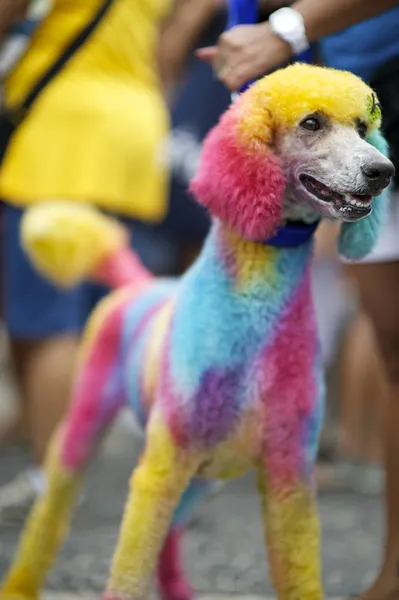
{"type": "Point", "coordinates": [378, 174]}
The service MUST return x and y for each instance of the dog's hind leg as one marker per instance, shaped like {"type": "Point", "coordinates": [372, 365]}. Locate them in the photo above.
{"type": "Point", "coordinates": [172, 581]}
{"type": "Point", "coordinates": [171, 578]}
{"type": "Point", "coordinates": [96, 400]}
{"type": "Point", "coordinates": [157, 485]}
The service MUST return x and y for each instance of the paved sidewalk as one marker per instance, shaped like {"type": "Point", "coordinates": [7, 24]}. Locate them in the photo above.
{"type": "Point", "coordinates": [224, 548]}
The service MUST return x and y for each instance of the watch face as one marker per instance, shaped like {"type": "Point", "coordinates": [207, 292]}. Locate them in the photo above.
{"type": "Point", "coordinates": [289, 23]}
{"type": "Point", "coordinates": [286, 21]}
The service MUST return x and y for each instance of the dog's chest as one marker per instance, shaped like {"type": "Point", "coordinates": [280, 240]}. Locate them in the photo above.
{"type": "Point", "coordinates": [231, 365]}
{"type": "Point", "coordinates": [238, 453]}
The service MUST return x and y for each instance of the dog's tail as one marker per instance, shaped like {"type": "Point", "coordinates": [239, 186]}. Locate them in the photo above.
{"type": "Point", "coordinates": [69, 243]}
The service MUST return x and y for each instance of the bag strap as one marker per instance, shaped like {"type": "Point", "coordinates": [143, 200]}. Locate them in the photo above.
{"type": "Point", "coordinates": [65, 57]}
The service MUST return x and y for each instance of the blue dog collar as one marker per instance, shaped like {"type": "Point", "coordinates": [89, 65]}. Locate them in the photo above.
{"type": "Point", "coordinates": [292, 234]}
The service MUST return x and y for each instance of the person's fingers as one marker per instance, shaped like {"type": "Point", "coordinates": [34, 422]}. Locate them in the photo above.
{"type": "Point", "coordinates": [207, 54]}
{"type": "Point", "coordinates": [236, 77]}
{"type": "Point", "coordinates": [241, 75]}
{"type": "Point", "coordinates": [233, 79]}
{"type": "Point", "coordinates": [214, 57]}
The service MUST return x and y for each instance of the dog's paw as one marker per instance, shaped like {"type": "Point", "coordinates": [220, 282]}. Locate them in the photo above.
{"type": "Point", "coordinates": [176, 589]}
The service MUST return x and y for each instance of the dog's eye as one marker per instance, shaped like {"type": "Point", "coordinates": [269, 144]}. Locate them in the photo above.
{"type": "Point", "coordinates": [362, 129]}
{"type": "Point", "coordinates": [311, 124]}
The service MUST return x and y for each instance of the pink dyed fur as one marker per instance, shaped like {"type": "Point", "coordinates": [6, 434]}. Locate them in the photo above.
{"type": "Point", "coordinates": [93, 410]}
{"type": "Point", "coordinates": [237, 184]}
{"type": "Point", "coordinates": [121, 268]}
{"type": "Point", "coordinates": [171, 579]}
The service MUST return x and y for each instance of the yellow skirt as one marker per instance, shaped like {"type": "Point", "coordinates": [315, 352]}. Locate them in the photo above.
{"type": "Point", "coordinates": [96, 141]}
{"type": "Point", "coordinates": [96, 133]}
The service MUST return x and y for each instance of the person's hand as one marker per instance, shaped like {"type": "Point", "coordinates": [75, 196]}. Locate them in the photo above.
{"type": "Point", "coordinates": [244, 53]}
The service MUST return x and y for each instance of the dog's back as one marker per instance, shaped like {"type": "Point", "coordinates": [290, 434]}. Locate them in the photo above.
{"type": "Point", "coordinates": [129, 327]}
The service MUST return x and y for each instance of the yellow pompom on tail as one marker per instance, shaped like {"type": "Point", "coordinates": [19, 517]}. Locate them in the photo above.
{"type": "Point", "coordinates": [66, 242]}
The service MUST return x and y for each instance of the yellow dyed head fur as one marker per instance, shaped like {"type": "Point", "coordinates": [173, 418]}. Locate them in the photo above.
{"type": "Point", "coordinates": [288, 95]}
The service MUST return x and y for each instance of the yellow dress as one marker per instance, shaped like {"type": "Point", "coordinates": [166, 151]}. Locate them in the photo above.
{"type": "Point", "coordinates": [96, 132]}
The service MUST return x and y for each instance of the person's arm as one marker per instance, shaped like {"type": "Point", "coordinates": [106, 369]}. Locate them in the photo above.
{"type": "Point", "coordinates": [328, 17]}
{"type": "Point", "coordinates": [248, 51]}
{"type": "Point", "coordinates": [10, 10]}
{"type": "Point", "coordinates": [271, 5]}
{"type": "Point", "coordinates": [180, 33]}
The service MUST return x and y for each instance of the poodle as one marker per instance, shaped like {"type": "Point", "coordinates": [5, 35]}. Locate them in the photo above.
{"type": "Point", "coordinates": [222, 367]}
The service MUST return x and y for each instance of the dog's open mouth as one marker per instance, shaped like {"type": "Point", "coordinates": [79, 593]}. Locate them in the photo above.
{"type": "Point", "coordinates": [352, 206]}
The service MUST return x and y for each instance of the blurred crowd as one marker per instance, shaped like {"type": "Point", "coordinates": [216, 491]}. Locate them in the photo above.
{"type": "Point", "coordinates": [175, 98]}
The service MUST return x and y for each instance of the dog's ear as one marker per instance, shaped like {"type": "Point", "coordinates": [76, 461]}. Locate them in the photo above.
{"type": "Point", "coordinates": [239, 179]}
{"type": "Point", "coordinates": [356, 240]}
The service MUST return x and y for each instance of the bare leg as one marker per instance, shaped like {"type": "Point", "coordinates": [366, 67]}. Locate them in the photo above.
{"type": "Point", "coordinates": [96, 401]}
{"type": "Point", "coordinates": [363, 380]}
{"type": "Point", "coordinates": [379, 290]}
{"type": "Point", "coordinates": [44, 372]}
{"type": "Point", "coordinates": [43, 365]}
{"type": "Point", "coordinates": [15, 432]}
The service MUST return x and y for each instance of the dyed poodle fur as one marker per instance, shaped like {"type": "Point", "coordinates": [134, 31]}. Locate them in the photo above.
{"type": "Point", "coordinates": [222, 368]}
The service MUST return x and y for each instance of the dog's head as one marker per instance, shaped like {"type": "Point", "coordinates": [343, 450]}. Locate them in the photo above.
{"type": "Point", "coordinates": [301, 143]}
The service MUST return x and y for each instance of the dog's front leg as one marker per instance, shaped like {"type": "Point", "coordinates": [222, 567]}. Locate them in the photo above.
{"type": "Point", "coordinates": [286, 483]}
{"type": "Point", "coordinates": [156, 486]}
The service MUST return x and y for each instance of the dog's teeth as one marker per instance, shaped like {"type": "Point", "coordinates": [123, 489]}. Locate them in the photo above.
{"type": "Point", "coordinates": [352, 202]}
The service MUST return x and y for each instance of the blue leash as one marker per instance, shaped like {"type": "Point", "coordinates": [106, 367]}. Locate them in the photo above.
{"type": "Point", "coordinates": [242, 12]}
{"type": "Point", "coordinates": [245, 12]}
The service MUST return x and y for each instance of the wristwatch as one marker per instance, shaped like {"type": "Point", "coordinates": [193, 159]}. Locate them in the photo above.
{"type": "Point", "coordinates": [288, 24]}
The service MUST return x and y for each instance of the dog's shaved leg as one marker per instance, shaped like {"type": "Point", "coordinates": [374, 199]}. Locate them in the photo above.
{"type": "Point", "coordinates": [156, 488]}
{"type": "Point", "coordinates": [291, 526]}
{"type": "Point", "coordinates": [96, 402]}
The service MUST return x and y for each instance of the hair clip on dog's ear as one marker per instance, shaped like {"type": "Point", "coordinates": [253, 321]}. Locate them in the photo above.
{"type": "Point", "coordinates": [375, 105]}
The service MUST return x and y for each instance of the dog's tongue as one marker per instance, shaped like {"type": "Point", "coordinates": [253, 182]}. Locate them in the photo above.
{"type": "Point", "coordinates": [326, 193]}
